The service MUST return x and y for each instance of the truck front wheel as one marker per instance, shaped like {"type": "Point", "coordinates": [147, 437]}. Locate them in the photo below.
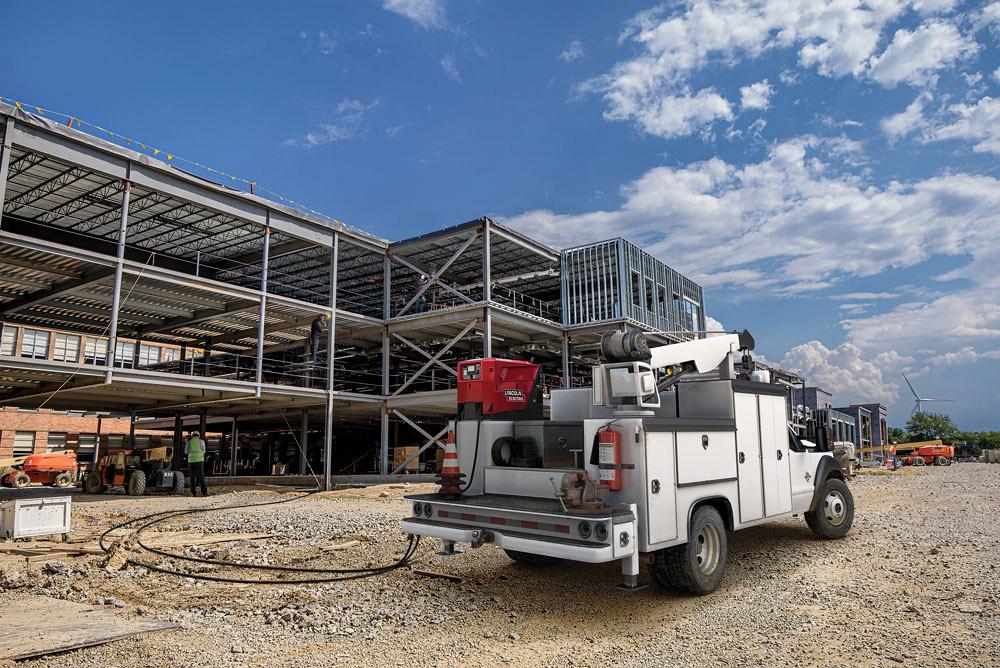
{"type": "Point", "coordinates": [532, 559]}
{"type": "Point", "coordinates": [834, 513]}
{"type": "Point", "coordinates": [696, 567]}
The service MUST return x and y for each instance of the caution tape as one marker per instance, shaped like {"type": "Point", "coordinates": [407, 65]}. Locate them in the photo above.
{"type": "Point", "coordinates": [76, 122]}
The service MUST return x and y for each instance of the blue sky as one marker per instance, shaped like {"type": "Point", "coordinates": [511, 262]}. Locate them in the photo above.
{"type": "Point", "coordinates": [828, 170]}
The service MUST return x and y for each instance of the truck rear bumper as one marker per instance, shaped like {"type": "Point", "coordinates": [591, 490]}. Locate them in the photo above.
{"type": "Point", "coordinates": [550, 547]}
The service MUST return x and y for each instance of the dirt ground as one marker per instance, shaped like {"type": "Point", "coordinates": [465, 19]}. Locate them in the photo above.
{"type": "Point", "coordinates": [914, 583]}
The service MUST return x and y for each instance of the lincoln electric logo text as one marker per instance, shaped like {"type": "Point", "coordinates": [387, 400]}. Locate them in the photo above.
{"type": "Point", "coordinates": [514, 395]}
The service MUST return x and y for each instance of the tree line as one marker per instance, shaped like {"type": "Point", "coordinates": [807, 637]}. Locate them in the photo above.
{"type": "Point", "coordinates": [929, 426]}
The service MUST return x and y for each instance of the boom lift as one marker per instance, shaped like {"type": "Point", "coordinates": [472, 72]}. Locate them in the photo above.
{"type": "Point", "coordinates": [667, 454]}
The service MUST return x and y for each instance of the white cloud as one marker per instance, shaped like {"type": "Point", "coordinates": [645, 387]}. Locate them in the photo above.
{"type": "Point", "coordinates": [714, 326]}
{"type": "Point", "coordinates": [996, 75]}
{"type": "Point", "coordinates": [979, 123]}
{"type": "Point", "coordinates": [573, 51]}
{"type": "Point", "coordinates": [916, 56]}
{"type": "Point", "coordinates": [794, 216]}
{"type": "Point", "coordinates": [845, 371]}
{"type": "Point", "coordinates": [838, 38]}
{"type": "Point", "coordinates": [867, 295]}
{"type": "Point", "coordinates": [393, 130]}
{"type": "Point", "coordinates": [450, 68]}
{"type": "Point", "coordinates": [899, 125]}
{"type": "Point", "coordinates": [425, 13]}
{"type": "Point", "coordinates": [756, 96]}
{"type": "Point", "coordinates": [349, 123]}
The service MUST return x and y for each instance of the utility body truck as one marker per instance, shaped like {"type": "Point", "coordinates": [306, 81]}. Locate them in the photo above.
{"type": "Point", "coordinates": [659, 462]}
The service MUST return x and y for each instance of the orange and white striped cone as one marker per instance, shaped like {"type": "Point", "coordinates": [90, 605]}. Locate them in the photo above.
{"type": "Point", "coordinates": [450, 477]}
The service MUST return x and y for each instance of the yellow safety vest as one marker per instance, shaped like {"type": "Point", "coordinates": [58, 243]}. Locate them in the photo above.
{"type": "Point", "coordinates": [196, 450]}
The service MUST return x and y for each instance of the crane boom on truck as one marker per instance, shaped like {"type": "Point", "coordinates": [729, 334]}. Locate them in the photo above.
{"type": "Point", "coordinates": [667, 454]}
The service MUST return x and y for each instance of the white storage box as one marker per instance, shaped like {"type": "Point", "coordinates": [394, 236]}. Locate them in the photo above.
{"type": "Point", "coordinates": [41, 516]}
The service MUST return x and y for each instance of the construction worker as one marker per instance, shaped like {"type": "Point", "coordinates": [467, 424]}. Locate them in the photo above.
{"type": "Point", "coordinates": [421, 304]}
{"type": "Point", "coordinates": [195, 451]}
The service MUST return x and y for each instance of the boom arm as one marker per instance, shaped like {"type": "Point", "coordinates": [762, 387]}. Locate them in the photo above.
{"type": "Point", "coordinates": [703, 354]}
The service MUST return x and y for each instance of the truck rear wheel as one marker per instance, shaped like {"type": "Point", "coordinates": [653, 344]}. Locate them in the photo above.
{"type": "Point", "coordinates": [942, 461]}
{"type": "Point", "coordinates": [136, 483]}
{"type": "Point", "coordinates": [532, 559]}
{"type": "Point", "coordinates": [63, 480]}
{"type": "Point", "coordinates": [20, 480]}
{"type": "Point", "coordinates": [696, 567]}
{"type": "Point", "coordinates": [834, 513]}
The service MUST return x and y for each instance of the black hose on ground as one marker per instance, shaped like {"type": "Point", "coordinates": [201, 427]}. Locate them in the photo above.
{"type": "Point", "coordinates": [341, 574]}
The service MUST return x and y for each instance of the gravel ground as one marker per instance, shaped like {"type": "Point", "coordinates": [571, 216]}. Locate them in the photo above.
{"type": "Point", "coordinates": [914, 583]}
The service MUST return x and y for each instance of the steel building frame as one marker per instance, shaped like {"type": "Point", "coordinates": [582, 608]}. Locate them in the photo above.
{"type": "Point", "coordinates": [110, 244]}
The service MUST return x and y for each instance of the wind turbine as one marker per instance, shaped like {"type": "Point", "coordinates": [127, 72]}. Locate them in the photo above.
{"type": "Point", "coordinates": [919, 400]}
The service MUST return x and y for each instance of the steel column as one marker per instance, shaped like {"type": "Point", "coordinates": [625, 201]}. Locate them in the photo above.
{"type": "Point", "coordinates": [119, 268]}
{"type": "Point", "coordinates": [263, 306]}
{"type": "Point", "coordinates": [97, 446]}
{"type": "Point", "coordinates": [303, 441]}
{"type": "Point", "coordinates": [565, 359]}
{"type": "Point", "coordinates": [234, 435]}
{"type": "Point", "coordinates": [487, 292]}
{"type": "Point", "coordinates": [8, 137]}
{"type": "Point", "coordinates": [383, 465]}
{"type": "Point", "coordinates": [331, 339]}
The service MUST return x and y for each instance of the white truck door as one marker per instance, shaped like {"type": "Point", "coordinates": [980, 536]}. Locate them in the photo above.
{"type": "Point", "coordinates": [661, 491]}
{"type": "Point", "coordinates": [774, 444]}
{"type": "Point", "coordinates": [748, 457]}
{"type": "Point", "coordinates": [784, 480]}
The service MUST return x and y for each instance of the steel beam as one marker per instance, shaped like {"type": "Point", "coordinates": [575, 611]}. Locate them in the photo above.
{"type": "Point", "coordinates": [119, 268]}
{"type": "Point", "coordinates": [60, 288]}
{"type": "Point", "coordinates": [437, 356]}
{"type": "Point", "coordinates": [425, 354]}
{"type": "Point", "coordinates": [435, 278]}
{"type": "Point", "coordinates": [8, 137]}
{"type": "Point", "coordinates": [548, 254]}
{"type": "Point", "coordinates": [431, 440]}
{"type": "Point", "coordinates": [423, 270]}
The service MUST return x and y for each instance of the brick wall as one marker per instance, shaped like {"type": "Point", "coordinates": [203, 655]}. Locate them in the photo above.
{"type": "Point", "coordinates": [45, 421]}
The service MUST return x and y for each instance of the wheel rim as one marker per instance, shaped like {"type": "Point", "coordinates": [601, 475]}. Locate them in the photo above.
{"type": "Point", "coordinates": [709, 548]}
{"type": "Point", "coordinates": [835, 508]}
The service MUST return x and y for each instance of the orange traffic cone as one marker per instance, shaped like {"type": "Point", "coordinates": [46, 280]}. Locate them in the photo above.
{"type": "Point", "coordinates": [450, 477]}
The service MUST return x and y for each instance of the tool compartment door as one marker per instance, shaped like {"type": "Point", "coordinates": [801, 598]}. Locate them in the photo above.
{"type": "Point", "coordinates": [661, 492]}
{"type": "Point", "coordinates": [774, 455]}
{"type": "Point", "coordinates": [708, 456]}
{"type": "Point", "coordinates": [748, 457]}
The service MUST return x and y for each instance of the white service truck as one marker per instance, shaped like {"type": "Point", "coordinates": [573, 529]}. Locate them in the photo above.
{"type": "Point", "coordinates": [659, 462]}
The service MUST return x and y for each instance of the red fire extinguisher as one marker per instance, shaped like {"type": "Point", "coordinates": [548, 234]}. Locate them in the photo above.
{"type": "Point", "coordinates": [609, 445]}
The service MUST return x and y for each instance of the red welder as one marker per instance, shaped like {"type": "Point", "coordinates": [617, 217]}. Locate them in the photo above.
{"type": "Point", "coordinates": [507, 389]}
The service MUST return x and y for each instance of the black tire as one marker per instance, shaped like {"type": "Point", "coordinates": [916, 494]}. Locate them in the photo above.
{"type": "Point", "coordinates": [830, 519]}
{"type": "Point", "coordinates": [20, 480]}
{"type": "Point", "coordinates": [178, 487]}
{"type": "Point", "coordinates": [63, 480]}
{"type": "Point", "coordinates": [918, 461]}
{"type": "Point", "coordinates": [136, 485]}
{"type": "Point", "coordinates": [529, 559]}
{"type": "Point", "coordinates": [696, 567]}
{"type": "Point", "coordinates": [942, 461]}
{"type": "Point", "coordinates": [92, 483]}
